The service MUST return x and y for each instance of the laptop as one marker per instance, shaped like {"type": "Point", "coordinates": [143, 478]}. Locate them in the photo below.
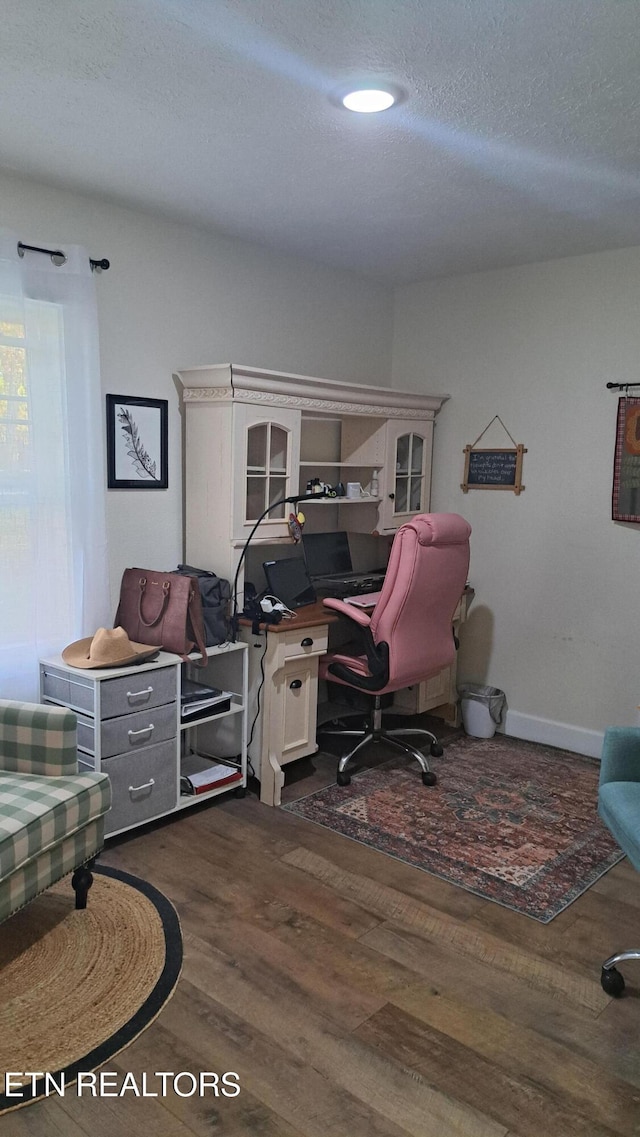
{"type": "Point", "coordinates": [330, 568]}
{"type": "Point", "coordinates": [288, 579]}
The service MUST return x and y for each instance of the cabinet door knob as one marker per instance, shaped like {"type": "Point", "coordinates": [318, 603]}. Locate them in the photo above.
{"type": "Point", "coordinates": [391, 496]}
{"type": "Point", "coordinates": [295, 684]}
{"type": "Point", "coordinates": [306, 642]}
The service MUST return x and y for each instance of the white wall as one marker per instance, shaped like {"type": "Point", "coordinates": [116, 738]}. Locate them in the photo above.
{"type": "Point", "coordinates": [176, 297]}
{"type": "Point", "coordinates": [553, 622]}
{"type": "Point", "coordinates": [555, 619]}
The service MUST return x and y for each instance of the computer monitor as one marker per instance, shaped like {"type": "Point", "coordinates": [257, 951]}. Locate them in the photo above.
{"type": "Point", "coordinates": [288, 579]}
{"type": "Point", "coordinates": [327, 554]}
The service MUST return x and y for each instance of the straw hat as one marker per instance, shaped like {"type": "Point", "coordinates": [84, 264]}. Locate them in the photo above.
{"type": "Point", "coordinates": [110, 647]}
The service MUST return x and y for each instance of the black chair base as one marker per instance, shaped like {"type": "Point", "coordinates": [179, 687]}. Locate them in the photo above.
{"type": "Point", "coordinates": [374, 732]}
{"type": "Point", "coordinates": [610, 978]}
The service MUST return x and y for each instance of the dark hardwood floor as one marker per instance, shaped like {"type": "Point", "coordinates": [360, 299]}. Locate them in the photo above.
{"type": "Point", "coordinates": [356, 996]}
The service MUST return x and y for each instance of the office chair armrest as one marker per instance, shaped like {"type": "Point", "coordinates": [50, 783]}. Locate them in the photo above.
{"type": "Point", "coordinates": [377, 662]}
{"type": "Point", "coordinates": [620, 755]}
{"type": "Point", "coordinates": [349, 610]}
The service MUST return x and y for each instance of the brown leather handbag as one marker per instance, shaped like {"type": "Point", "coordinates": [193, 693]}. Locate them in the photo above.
{"type": "Point", "coordinates": [162, 608]}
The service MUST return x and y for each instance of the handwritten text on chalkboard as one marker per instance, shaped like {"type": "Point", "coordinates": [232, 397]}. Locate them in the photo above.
{"type": "Point", "coordinates": [493, 469]}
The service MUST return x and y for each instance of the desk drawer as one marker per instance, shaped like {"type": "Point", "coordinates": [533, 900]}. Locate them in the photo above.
{"type": "Point", "coordinates": [421, 697]}
{"type": "Point", "coordinates": [296, 643]}
{"type": "Point", "coordinates": [143, 785]}
{"type": "Point", "coordinates": [137, 691]}
{"type": "Point", "coordinates": [131, 732]}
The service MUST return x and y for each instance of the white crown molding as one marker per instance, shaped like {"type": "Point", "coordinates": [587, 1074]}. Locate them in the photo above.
{"type": "Point", "coordinates": [207, 395]}
{"type": "Point", "coordinates": [273, 399]}
{"type": "Point", "coordinates": [232, 382]}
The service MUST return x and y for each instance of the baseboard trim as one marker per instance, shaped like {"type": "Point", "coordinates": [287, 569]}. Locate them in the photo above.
{"type": "Point", "coordinates": [550, 733]}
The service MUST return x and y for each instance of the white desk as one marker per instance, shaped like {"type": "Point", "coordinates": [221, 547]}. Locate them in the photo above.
{"type": "Point", "coordinates": [283, 691]}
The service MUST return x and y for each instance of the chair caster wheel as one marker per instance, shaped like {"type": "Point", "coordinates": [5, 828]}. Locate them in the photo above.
{"type": "Point", "coordinates": [342, 778]}
{"type": "Point", "coordinates": [612, 982]}
{"type": "Point", "coordinates": [436, 750]}
{"type": "Point", "coordinates": [429, 778]}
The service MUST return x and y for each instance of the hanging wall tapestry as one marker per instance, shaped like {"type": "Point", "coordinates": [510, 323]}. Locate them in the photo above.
{"type": "Point", "coordinates": [625, 505]}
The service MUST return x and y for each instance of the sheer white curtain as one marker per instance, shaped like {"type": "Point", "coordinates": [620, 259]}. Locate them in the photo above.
{"type": "Point", "coordinates": [53, 564]}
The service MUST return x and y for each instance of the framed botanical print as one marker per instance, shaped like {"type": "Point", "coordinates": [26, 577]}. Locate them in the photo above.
{"type": "Point", "coordinates": [137, 443]}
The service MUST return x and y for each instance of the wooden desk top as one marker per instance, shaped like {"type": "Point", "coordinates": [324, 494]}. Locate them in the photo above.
{"type": "Point", "coordinates": [305, 617]}
{"type": "Point", "coordinates": [317, 614]}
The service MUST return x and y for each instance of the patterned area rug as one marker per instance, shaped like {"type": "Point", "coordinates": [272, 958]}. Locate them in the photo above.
{"type": "Point", "coordinates": [512, 821]}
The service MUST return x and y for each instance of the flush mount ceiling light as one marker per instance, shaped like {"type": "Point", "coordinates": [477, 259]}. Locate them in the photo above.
{"type": "Point", "coordinates": [368, 100]}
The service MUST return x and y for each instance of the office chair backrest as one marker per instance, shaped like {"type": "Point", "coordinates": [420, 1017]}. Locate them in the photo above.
{"type": "Point", "coordinates": [424, 581]}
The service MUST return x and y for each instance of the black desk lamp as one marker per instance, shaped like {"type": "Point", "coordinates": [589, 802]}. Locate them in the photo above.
{"type": "Point", "coordinates": [292, 500]}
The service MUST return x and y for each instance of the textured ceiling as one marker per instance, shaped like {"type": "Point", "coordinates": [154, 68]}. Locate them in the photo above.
{"type": "Point", "coordinates": [518, 139]}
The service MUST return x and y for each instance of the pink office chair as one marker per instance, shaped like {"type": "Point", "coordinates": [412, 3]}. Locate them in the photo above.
{"type": "Point", "coordinates": [409, 635]}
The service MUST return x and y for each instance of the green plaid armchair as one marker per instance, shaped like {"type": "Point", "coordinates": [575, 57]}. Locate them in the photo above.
{"type": "Point", "coordinates": [51, 817]}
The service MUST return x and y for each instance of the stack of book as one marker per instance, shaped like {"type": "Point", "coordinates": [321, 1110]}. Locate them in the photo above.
{"type": "Point", "coordinates": [196, 778]}
{"type": "Point", "coordinates": [197, 700]}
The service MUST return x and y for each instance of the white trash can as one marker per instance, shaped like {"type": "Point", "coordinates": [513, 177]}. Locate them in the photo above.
{"type": "Point", "coordinates": [482, 709]}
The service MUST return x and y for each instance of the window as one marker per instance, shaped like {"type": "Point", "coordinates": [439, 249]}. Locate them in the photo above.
{"type": "Point", "coordinates": [52, 530]}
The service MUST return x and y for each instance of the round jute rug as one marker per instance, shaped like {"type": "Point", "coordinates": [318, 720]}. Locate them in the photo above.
{"type": "Point", "coordinates": [76, 987]}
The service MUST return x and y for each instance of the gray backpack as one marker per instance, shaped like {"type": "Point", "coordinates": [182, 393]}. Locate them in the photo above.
{"type": "Point", "coordinates": [215, 593]}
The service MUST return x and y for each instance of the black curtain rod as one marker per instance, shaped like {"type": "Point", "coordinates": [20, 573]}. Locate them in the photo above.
{"type": "Point", "coordinates": [621, 386]}
{"type": "Point", "coordinates": [103, 264]}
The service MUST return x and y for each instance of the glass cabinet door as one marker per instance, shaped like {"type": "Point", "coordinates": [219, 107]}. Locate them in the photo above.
{"type": "Point", "coordinates": [408, 472]}
{"type": "Point", "coordinates": [267, 469]}
{"type": "Point", "coordinates": [268, 449]}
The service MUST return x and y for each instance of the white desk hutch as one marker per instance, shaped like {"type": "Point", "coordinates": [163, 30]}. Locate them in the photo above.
{"type": "Point", "coordinates": [252, 437]}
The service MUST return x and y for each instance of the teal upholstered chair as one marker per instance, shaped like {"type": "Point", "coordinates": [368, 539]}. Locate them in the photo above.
{"type": "Point", "coordinates": [619, 808]}
{"type": "Point", "coordinates": [51, 817]}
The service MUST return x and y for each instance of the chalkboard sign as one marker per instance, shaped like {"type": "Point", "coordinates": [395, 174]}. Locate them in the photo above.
{"type": "Point", "coordinates": [493, 469]}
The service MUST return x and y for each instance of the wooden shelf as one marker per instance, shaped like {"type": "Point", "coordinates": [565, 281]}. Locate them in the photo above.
{"type": "Point", "coordinates": [342, 465]}
{"type": "Point", "coordinates": [341, 501]}
{"type": "Point", "coordinates": [190, 723]}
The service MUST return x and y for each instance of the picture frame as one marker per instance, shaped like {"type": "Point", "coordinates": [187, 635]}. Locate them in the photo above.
{"type": "Point", "coordinates": [137, 443]}
{"type": "Point", "coordinates": [625, 497]}
{"type": "Point", "coordinates": [499, 469]}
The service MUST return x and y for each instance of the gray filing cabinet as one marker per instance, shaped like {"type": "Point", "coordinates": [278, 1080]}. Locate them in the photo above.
{"type": "Point", "coordinates": [130, 727]}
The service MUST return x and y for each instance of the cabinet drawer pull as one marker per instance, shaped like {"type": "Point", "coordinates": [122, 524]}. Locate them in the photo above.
{"type": "Point", "coordinates": [138, 694]}
{"type": "Point", "coordinates": [143, 730]}
{"type": "Point", "coordinates": [306, 642]}
{"type": "Point", "coordinates": [146, 786]}
{"type": "Point", "coordinates": [295, 684]}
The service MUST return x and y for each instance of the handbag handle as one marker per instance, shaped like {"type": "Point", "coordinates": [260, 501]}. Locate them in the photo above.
{"type": "Point", "coordinates": [197, 629]}
{"type": "Point", "coordinates": [142, 583]}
